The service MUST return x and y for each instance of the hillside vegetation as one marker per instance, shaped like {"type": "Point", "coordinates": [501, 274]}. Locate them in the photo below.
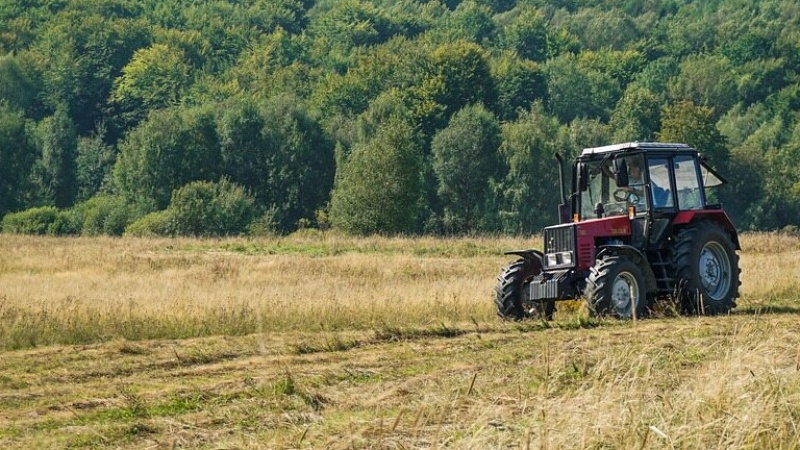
{"type": "Point", "coordinates": [323, 341]}
{"type": "Point", "coordinates": [167, 117]}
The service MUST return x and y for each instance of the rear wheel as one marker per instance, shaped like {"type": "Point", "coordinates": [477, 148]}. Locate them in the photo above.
{"type": "Point", "coordinates": [707, 269]}
{"type": "Point", "coordinates": [510, 296]}
{"type": "Point", "coordinates": [615, 287]}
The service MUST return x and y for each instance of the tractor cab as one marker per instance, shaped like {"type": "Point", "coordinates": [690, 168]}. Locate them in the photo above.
{"type": "Point", "coordinates": [642, 222]}
{"type": "Point", "coordinates": [640, 178]}
{"type": "Point", "coordinates": [650, 183]}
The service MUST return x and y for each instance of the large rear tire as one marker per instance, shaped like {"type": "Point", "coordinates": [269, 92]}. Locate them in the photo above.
{"type": "Point", "coordinates": [510, 295]}
{"type": "Point", "coordinates": [706, 268]}
{"type": "Point", "coordinates": [615, 287]}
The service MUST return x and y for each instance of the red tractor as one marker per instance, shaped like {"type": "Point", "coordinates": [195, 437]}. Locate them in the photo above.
{"type": "Point", "coordinates": [642, 223]}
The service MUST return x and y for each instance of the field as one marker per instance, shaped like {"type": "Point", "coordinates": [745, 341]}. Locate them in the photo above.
{"type": "Point", "coordinates": [321, 341]}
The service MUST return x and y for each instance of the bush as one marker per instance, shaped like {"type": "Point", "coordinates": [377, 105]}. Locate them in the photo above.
{"type": "Point", "coordinates": [159, 223]}
{"type": "Point", "coordinates": [201, 208]}
{"type": "Point", "coordinates": [105, 214]}
{"type": "Point", "coordinates": [44, 220]}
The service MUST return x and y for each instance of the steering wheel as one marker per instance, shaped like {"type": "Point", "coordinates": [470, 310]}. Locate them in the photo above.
{"type": "Point", "coordinates": [629, 196]}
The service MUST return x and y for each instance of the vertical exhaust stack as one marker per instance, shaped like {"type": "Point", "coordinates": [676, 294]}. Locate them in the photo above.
{"type": "Point", "coordinates": [564, 213]}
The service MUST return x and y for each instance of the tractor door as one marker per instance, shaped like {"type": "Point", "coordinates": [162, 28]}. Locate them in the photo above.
{"type": "Point", "coordinates": [660, 189]}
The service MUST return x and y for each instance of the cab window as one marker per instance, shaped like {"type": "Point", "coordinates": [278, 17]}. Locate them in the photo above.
{"type": "Point", "coordinates": [687, 183]}
{"type": "Point", "coordinates": [660, 184]}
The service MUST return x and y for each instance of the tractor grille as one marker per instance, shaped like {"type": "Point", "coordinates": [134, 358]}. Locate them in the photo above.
{"type": "Point", "coordinates": [559, 247]}
{"type": "Point", "coordinates": [559, 239]}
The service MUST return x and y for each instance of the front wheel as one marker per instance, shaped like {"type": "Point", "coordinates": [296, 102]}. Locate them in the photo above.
{"type": "Point", "coordinates": [706, 268]}
{"type": "Point", "coordinates": [510, 296]}
{"type": "Point", "coordinates": [615, 287]}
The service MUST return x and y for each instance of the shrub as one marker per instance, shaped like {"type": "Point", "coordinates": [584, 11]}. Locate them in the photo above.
{"type": "Point", "coordinates": [201, 208]}
{"type": "Point", "coordinates": [105, 214]}
{"type": "Point", "coordinates": [159, 223]}
{"type": "Point", "coordinates": [43, 220]}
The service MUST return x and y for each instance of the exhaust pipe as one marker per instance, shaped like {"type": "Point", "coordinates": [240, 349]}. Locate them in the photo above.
{"type": "Point", "coordinates": [564, 213]}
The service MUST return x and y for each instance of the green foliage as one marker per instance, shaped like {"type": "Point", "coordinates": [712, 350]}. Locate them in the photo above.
{"type": "Point", "coordinates": [159, 223]}
{"type": "Point", "coordinates": [79, 54]}
{"type": "Point", "coordinates": [45, 220]}
{"type": "Point", "coordinates": [526, 33]}
{"type": "Point", "coordinates": [203, 208]}
{"type": "Point", "coordinates": [470, 22]}
{"type": "Point", "coordinates": [575, 90]}
{"type": "Point", "coordinates": [378, 188]}
{"type": "Point", "coordinates": [280, 153]}
{"type": "Point", "coordinates": [104, 215]}
{"type": "Point", "coordinates": [170, 92]}
{"type": "Point", "coordinates": [463, 70]}
{"type": "Point", "coordinates": [465, 161]}
{"type": "Point", "coordinates": [156, 77]}
{"type": "Point", "coordinates": [171, 148]}
{"type": "Point", "coordinates": [17, 155]}
{"type": "Point", "coordinates": [597, 29]}
{"type": "Point", "coordinates": [637, 115]}
{"type": "Point", "coordinates": [706, 81]}
{"type": "Point", "coordinates": [528, 190]}
{"type": "Point", "coordinates": [694, 125]}
{"type": "Point", "coordinates": [16, 88]}
{"type": "Point", "coordinates": [94, 163]}
{"type": "Point", "coordinates": [55, 173]}
{"type": "Point", "coordinates": [518, 83]}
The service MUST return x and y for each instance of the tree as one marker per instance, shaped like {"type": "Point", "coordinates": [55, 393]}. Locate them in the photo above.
{"type": "Point", "coordinates": [17, 154]}
{"type": "Point", "coordinates": [94, 162]}
{"type": "Point", "coordinates": [637, 115]}
{"type": "Point", "coordinates": [694, 125]}
{"type": "Point", "coordinates": [518, 83]}
{"type": "Point", "coordinates": [379, 187]}
{"type": "Point", "coordinates": [16, 87]}
{"type": "Point", "coordinates": [578, 91]}
{"type": "Point", "coordinates": [204, 208]}
{"type": "Point", "coordinates": [529, 200]}
{"type": "Point", "coordinates": [462, 69]}
{"type": "Point", "coordinates": [171, 148]}
{"type": "Point", "coordinates": [471, 22]}
{"type": "Point", "coordinates": [156, 77]}
{"type": "Point", "coordinates": [280, 154]}
{"type": "Point", "coordinates": [55, 174]}
{"type": "Point", "coordinates": [706, 81]}
{"type": "Point", "coordinates": [599, 29]}
{"type": "Point", "coordinates": [465, 161]}
{"type": "Point", "coordinates": [79, 54]}
{"type": "Point", "coordinates": [526, 34]}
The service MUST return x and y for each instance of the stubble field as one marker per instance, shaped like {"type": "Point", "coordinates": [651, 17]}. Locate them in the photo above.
{"type": "Point", "coordinates": [320, 341]}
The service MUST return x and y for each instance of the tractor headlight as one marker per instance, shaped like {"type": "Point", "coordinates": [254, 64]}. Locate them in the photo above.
{"type": "Point", "coordinates": [566, 258]}
{"type": "Point", "coordinates": [559, 259]}
{"type": "Point", "coordinates": [552, 260]}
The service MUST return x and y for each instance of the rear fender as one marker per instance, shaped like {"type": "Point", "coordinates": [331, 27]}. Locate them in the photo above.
{"type": "Point", "coordinates": [637, 257]}
{"type": "Point", "coordinates": [715, 215]}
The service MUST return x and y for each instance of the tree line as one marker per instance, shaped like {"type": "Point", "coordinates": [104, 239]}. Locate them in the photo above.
{"type": "Point", "coordinates": [209, 117]}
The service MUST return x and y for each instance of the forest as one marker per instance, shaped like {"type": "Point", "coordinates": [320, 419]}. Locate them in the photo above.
{"type": "Point", "coordinates": [252, 117]}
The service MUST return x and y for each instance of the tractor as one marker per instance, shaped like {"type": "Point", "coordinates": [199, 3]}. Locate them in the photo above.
{"type": "Point", "coordinates": [642, 224]}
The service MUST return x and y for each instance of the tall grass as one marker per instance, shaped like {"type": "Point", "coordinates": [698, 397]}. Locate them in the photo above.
{"type": "Point", "coordinates": [82, 290]}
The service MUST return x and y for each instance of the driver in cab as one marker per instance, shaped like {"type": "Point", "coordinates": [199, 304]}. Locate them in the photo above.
{"type": "Point", "coordinates": [635, 188]}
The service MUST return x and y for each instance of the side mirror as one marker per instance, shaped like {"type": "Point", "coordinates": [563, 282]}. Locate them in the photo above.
{"type": "Point", "coordinates": [583, 177]}
{"type": "Point", "coordinates": [621, 172]}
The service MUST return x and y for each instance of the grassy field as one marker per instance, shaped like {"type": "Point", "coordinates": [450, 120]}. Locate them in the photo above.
{"type": "Point", "coordinates": [331, 342]}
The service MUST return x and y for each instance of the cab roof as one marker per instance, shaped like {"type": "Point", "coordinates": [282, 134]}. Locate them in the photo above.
{"type": "Point", "coordinates": [632, 146]}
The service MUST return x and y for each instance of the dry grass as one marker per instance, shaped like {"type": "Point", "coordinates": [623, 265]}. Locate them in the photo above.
{"type": "Point", "coordinates": [330, 342]}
